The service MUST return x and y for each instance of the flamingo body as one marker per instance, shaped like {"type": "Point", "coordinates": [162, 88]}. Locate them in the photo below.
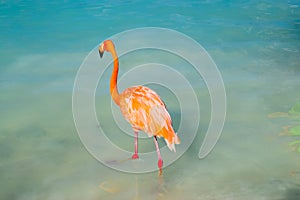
{"type": "Point", "coordinates": [145, 111]}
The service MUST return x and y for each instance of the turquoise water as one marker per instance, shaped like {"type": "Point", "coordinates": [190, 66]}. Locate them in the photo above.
{"type": "Point", "coordinates": [256, 46]}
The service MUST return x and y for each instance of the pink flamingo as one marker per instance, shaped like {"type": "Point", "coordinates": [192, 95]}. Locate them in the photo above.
{"type": "Point", "coordinates": [142, 108]}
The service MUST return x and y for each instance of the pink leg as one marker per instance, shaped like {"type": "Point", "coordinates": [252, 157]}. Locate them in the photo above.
{"type": "Point", "coordinates": [135, 155]}
{"type": "Point", "coordinates": [160, 161]}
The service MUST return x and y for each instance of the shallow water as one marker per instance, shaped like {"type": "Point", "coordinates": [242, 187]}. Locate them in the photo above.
{"type": "Point", "coordinates": [255, 46]}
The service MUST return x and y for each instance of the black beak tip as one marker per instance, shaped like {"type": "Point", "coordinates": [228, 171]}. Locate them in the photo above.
{"type": "Point", "coordinates": [101, 54]}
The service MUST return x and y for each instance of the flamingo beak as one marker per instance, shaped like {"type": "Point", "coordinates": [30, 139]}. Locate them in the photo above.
{"type": "Point", "coordinates": [101, 53]}
{"type": "Point", "coordinates": [101, 50]}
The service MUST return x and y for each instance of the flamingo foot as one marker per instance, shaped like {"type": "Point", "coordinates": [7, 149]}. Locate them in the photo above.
{"type": "Point", "coordinates": [135, 156]}
{"type": "Point", "coordinates": [160, 165]}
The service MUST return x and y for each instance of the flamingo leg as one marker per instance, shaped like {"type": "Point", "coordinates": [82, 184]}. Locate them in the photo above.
{"type": "Point", "coordinates": [160, 161]}
{"type": "Point", "coordinates": [135, 155]}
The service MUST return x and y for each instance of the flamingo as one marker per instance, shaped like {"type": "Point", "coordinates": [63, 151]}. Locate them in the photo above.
{"type": "Point", "coordinates": [142, 108]}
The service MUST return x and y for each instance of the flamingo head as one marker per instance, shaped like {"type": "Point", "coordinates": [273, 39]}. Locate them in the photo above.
{"type": "Point", "coordinates": [107, 45]}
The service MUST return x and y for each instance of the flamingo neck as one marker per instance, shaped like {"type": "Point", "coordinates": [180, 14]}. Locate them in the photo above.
{"type": "Point", "coordinates": [114, 77]}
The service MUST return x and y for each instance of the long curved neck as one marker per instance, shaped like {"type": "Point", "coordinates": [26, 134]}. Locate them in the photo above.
{"type": "Point", "coordinates": [114, 77]}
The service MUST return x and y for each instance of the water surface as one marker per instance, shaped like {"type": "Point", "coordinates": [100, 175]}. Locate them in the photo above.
{"type": "Point", "coordinates": [255, 45]}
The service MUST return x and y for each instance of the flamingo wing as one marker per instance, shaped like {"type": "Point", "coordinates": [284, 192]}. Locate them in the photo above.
{"type": "Point", "coordinates": [145, 111]}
